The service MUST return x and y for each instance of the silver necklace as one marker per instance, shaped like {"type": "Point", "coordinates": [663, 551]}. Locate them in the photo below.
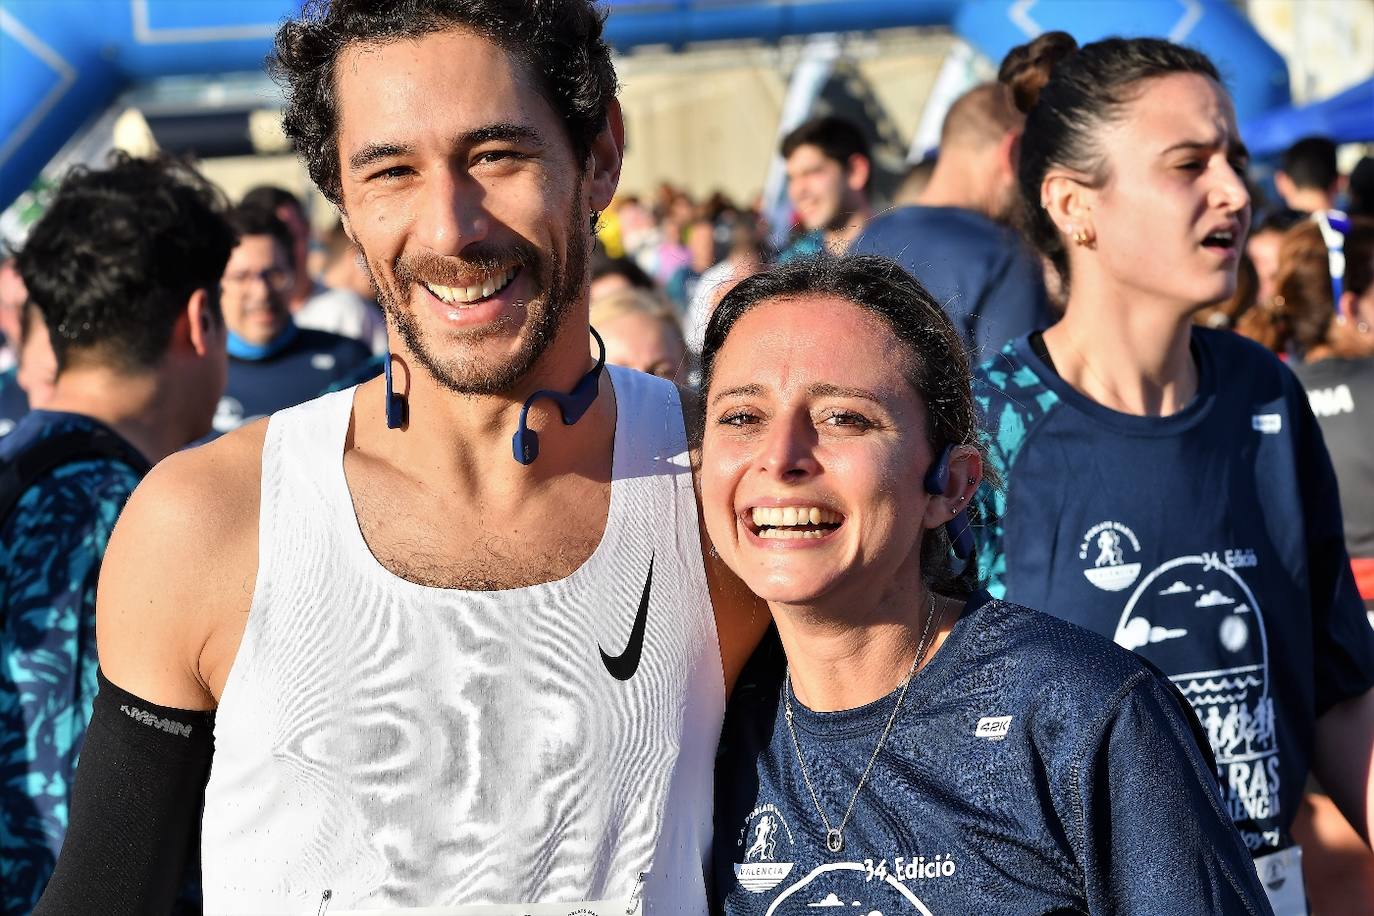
{"type": "Point", "coordinates": [834, 836]}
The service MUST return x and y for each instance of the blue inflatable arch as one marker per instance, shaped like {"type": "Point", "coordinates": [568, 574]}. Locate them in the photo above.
{"type": "Point", "coordinates": [62, 63]}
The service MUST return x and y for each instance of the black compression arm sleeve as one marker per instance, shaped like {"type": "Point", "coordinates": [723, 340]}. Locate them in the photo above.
{"type": "Point", "coordinates": [139, 792]}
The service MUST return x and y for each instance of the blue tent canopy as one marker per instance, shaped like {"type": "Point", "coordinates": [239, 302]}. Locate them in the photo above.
{"type": "Point", "coordinates": [1347, 117]}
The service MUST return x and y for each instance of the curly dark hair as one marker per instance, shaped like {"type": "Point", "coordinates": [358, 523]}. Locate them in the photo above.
{"type": "Point", "coordinates": [558, 40]}
{"type": "Point", "coordinates": [118, 253]}
{"type": "Point", "coordinates": [938, 368]}
{"type": "Point", "coordinates": [1068, 93]}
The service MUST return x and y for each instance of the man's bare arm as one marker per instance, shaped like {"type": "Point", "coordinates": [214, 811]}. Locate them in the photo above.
{"type": "Point", "coordinates": [174, 591]}
{"type": "Point", "coordinates": [177, 578]}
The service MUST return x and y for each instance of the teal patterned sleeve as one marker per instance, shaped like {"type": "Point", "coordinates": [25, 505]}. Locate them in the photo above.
{"type": "Point", "coordinates": [50, 551]}
{"type": "Point", "coordinates": [1011, 400]}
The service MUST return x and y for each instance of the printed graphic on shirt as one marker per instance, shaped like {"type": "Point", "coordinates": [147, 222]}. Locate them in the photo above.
{"type": "Point", "coordinates": [1106, 547]}
{"type": "Point", "coordinates": [767, 842]}
{"type": "Point", "coordinates": [873, 887]}
{"type": "Point", "coordinates": [1199, 605]}
{"type": "Point", "coordinates": [1329, 402]}
{"type": "Point", "coordinates": [993, 728]}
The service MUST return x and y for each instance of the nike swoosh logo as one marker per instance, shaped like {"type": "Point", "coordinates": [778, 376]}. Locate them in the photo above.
{"type": "Point", "coordinates": [622, 667]}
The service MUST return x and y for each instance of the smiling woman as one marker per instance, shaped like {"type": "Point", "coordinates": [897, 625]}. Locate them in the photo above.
{"type": "Point", "coordinates": [928, 749]}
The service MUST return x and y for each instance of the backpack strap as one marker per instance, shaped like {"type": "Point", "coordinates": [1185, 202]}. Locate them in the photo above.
{"type": "Point", "coordinates": [48, 454]}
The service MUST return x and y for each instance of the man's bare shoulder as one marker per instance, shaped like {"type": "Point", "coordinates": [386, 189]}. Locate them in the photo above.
{"type": "Point", "coordinates": [180, 569]}
{"type": "Point", "coordinates": [210, 490]}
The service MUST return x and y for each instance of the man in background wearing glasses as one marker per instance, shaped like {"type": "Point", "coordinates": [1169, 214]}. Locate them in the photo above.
{"type": "Point", "coordinates": [273, 364]}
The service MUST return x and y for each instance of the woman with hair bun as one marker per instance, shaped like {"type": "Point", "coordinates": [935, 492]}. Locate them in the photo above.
{"type": "Point", "coordinates": [926, 749]}
{"type": "Point", "coordinates": [1166, 484]}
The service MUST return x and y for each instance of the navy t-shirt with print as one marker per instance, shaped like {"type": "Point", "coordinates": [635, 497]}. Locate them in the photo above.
{"type": "Point", "coordinates": [1011, 783]}
{"type": "Point", "coordinates": [1209, 541]}
{"type": "Point", "coordinates": [303, 369]}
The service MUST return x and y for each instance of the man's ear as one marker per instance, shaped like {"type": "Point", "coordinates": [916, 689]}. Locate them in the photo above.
{"type": "Point", "coordinates": [203, 330]}
{"type": "Point", "coordinates": [607, 155]}
{"type": "Point", "coordinates": [1008, 151]}
{"type": "Point", "coordinates": [347, 227]}
{"type": "Point", "coordinates": [857, 170]}
{"type": "Point", "coordinates": [1284, 185]}
{"type": "Point", "coordinates": [1347, 305]}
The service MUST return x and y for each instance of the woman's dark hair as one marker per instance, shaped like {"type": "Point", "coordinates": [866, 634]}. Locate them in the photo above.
{"type": "Point", "coordinates": [938, 368]}
{"type": "Point", "coordinates": [1304, 280]}
{"type": "Point", "coordinates": [118, 253]}
{"type": "Point", "coordinates": [1068, 94]}
{"type": "Point", "coordinates": [558, 40]}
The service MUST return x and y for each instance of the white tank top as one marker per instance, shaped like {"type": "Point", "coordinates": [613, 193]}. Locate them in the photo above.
{"type": "Point", "coordinates": [382, 745]}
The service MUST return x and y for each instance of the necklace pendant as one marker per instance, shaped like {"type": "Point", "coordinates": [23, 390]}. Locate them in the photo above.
{"type": "Point", "coordinates": [834, 840]}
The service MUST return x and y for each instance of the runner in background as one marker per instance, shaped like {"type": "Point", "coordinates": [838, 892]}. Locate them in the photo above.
{"type": "Point", "coordinates": [273, 363]}
{"type": "Point", "coordinates": [954, 240]}
{"type": "Point", "coordinates": [125, 265]}
{"type": "Point", "coordinates": [1308, 179]}
{"type": "Point", "coordinates": [640, 331]}
{"type": "Point", "coordinates": [829, 167]}
{"type": "Point", "coordinates": [347, 294]}
{"type": "Point", "coordinates": [1167, 485]}
{"type": "Point", "coordinates": [1332, 342]}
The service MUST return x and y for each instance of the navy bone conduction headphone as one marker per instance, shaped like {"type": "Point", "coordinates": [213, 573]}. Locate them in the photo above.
{"type": "Point", "coordinates": [525, 442]}
{"type": "Point", "coordinates": [571, 406]}
{"type": "Point", "coordinates": [937, 478]}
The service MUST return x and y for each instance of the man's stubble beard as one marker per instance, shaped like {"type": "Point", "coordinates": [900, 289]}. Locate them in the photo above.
{"type": "Point", "coordinates": [558, 283]}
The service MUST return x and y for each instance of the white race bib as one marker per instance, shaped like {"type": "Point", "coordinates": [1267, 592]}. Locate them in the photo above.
{"type": "Point", "coordinates": [1281, 874]}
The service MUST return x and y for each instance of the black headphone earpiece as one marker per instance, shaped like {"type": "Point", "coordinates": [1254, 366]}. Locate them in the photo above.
{"type": "Point", "coordinates": [958, 528]}
{"type": "Point", "coordinates": [397, 409]}
{"type": "Point", "coordinates": [571, 406]}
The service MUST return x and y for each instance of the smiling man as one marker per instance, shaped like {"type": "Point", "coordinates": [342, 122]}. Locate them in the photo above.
{"type": "Point", "coordinates": [450, 631]}
{"type": "Point", "coordinates": [828, 170]}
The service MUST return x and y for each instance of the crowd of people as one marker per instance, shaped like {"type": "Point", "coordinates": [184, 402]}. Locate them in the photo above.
{"type": "Point", "coordinates": [521, 544]}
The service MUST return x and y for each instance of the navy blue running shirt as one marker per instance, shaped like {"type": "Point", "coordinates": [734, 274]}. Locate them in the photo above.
{"type": "Point", "coordinates": [302, 368]}
{"type": "Point", "coordinates": [1011, 783]}
{"type": "Point", "coordinates": [1209, 541]}
{"type": "Point", "coordinates": [984, 276]}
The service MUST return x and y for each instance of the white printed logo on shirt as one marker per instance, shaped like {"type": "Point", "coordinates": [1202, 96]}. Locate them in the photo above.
{"type": "Point", "coordinates": [767, 842]}
{"type": "Point", "coordinates": [1105, 548]}
{"type": "Point", "coordinates": [994, 728]}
